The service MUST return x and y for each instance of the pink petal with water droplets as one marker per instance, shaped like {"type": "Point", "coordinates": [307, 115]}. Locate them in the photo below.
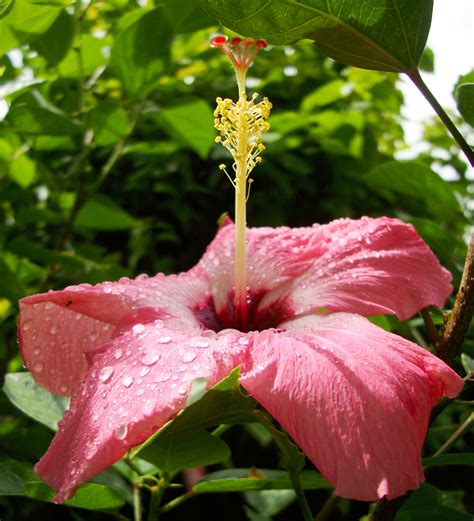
{"type": "Point", "coordinates": [370, 266]}
{"type": "Point", "coordinates": [355, 398]}
{"type": "Point", "coordinates": [57, 329]}
{"type": "Point", "coordinates": [135, 384]}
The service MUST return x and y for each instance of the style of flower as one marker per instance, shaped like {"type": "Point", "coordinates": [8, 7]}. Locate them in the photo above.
{"type": "Point", "coordinates": [354, 397]}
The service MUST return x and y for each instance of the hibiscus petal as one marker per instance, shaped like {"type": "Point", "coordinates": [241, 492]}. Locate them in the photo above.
{"type": "Point", "coordinates": [57, 328]}
{"type": "Point", "coordinates": [274, 256]}
{"type": "Point", "coordinates": [135, 384]}
{"type": "Point", "coordinates": [369, 266]}
{"type": "Point", "coordinates": [355, 398]}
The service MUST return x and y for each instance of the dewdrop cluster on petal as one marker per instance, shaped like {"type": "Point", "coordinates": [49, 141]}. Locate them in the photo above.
{"type": "Point", "coordinates": [232, 120]}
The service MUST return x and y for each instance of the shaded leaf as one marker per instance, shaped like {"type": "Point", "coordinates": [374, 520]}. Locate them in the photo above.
{"type": "Point", "coordinates": [186, 16]}
{"type": "Point", "coordinates": [415, 186]}
{"type": "Point", "coordinates": [10, 483]}
{"type": "Point", "coordinates": [34, 401]}
{"type": "Point", "coordinates": [185, 450]}
{"type": "Point", "coordinates": [141, 50]}
{"type": "Point", "coordinates": [465, 100]}
{"type": "Point", "coordinates": [92, 57]}
{"type": "Point", "coordinates": [54, 44]}
{"type": "Point", "coordinates": [109, 122]}
{"type": "Point", "coordinates": [30, 119]}
{"type": "Point", "coordinates": [377, 35]}
{"type": "Point", "coordinates": [467, 363]}
{"type": "Point", "coordinates": [449, 459]}
{"type": "Point", "coordinates": [240, 480]}
{"type": "Point", "coordinates": [101, 213]}
{"type": "Point", "coordinates": [191, 122]}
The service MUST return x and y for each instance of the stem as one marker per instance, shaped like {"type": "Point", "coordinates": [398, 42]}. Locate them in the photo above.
{"type": "Point", "coordinates": [415, 77]}
{"type": "Point", "coordinates": [156, 495]}
{"type": "Point", "coordinates": [458, 323]}
{"type": "Point", "coordinates": [295, 480]}
{"type": "Point", "coordinates": [429, 325]}
{"type": "Point", "coordinates": [176, 502]}
{"type": "Point", "coordinates": [240, 265]}
{"type": "Point", "coordinates": [458, 433]}
{"type": "Point", "coordinates": [137, 504]}
{"type": "Point", "coordinates": [327, 508]}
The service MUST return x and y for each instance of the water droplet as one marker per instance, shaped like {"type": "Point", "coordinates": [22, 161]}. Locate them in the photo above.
{"type": "Point", "coordinates": [118, 354]}
{"type": "Point", "coordinates": [49, 305]}
{"type": "Point", "coordinates": [78, 316]}
{"type": "Point", "coordinates": [27, 324]}
{"type": "Point", "coordinates": [106, 373]}
{"type": "Point", "coordinates": [188, 356]}
{"type": "Point", "coordinates": [63, 388]}
{"type": "Point", "coordinates": [121, 432]}
{"type": "Point", "coordinates": [331, 265]}
{"type": "Point", "coordinates": [243, 341]}
{"type": "Point", "coordinates": [36, 351]}
{"type": "Point", "coordinates": [164, 377]}
{"type": "Point", "coordinates": [127, 381]}
{"type": "Point", "coordinates": [199, 342]}
{"type": "Point", "coordinates": [158, 324]}
{"type": "Point", "coordinates": [144, 371]}
{"type": "Point", "coordinates": [54, 329]}
{"type": "Point", "coordinates": [150, 358]}
{"type": "Point", "coordinates": [164, 340]}
{"type": "Point", "coordinates": [140, 392]}
{"type": "Point", "coordinates": [107, 289]}
{"type": "Point", "coordinates": [38, 366]}
{"type": "Point", "coordinates": [137, 329]}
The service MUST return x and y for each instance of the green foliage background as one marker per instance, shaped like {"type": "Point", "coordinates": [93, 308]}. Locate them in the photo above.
{"type": "Point", "coordinates": [108, 168]}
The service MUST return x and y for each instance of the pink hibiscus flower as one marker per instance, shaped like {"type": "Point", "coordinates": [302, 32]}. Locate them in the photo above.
{"type": "Point", "coordinates": [354, 397]}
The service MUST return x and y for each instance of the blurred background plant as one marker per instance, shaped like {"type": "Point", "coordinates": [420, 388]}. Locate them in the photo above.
{"type": "Point", "coordinates": [108, 168]}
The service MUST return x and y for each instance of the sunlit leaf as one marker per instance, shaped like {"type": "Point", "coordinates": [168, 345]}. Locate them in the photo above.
{"type": "Point", "coordinates": [381, 34]}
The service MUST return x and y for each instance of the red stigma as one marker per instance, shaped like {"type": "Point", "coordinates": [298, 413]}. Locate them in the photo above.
{"type": "Point", "coordinates": [240, 52]}
{"type": "Point", "coordinates": [218, 41]}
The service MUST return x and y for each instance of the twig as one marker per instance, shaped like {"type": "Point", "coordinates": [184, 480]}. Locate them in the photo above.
{"type": "Point", "coordinates": [458, 433]}
{"type": "Point", "coordinates": [137, 503]}
{"type": "Point", "coordinates": [430, 327]}
{"type": "Point", "coordinates": [415, 77]}
{"type": "Point", "coordinates": [458, 323]}
{"type": "Point", "coordinates": [327, 508]}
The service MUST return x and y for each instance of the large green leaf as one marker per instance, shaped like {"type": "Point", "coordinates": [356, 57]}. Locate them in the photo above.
{"type": "Point", "coordinates": [91, 496]}
{"type": "Point", "coordinates": [10, 483]}
{"type": "Point", "coordinates": [185, 450]}
{"type": "Point", "coordinates": [92, 57]}
{"type": "Point", "coordinates": [24, 20]}
{"type": "Point", "coordinates": [240, 480]}
{"type": "Point", "coordinates": [414, 187]}
{"type": "Point", "coordinates": [140, 52]}
{"type": "Point", "coordinates": [37, 120]}
{"type": "Point", "coordinates": [34, 401]}
{"type": "Point", "coordinates": [54, 44]}
{"type": "Point", "coordinates": [186, 16]}
{"type": "Point", "coordinates": [385, 35]}
{"type": "Point", "coordinates": [109, 122]}
{"type": "Point", "coordinates": [465, 100]}
{"type": "Point", "coordinates": [191, 122]}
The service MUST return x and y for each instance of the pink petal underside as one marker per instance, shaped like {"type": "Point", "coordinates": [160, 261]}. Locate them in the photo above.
{"type": "Point", "coordinates": [355, 398]}
{"type": "Point", "coordinates": [274, 256]}
{"type": "Point", "coordinates": [56, 329]}
{"type": "Point", "coordinates": [369, 266]}
{"type": "Point", "coordinates": [135, 384]}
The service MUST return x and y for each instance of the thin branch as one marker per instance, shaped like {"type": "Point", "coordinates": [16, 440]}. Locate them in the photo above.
{"type": "Point", "coordinates": [458, 323]}
{"type": "Point", "coordinates": [415, 77]}
{"type": "Point", "coordinates": [430, 327]}
{"type": "Point", "coordinates": [457, 434]}
{"type": "Point", "coordinates": [327, 508]}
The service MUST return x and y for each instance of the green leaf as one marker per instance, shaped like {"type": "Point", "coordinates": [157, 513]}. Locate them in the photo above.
{"type": "Point", "coordinates": [449, 459]}
{"type": "Point", "coordinates": [325, 95]}
{"type": "Point", "coordinates": [185, 450]}
{"type": "Point", "coordinates": [10, 285]}
{"type": "Point", "coordinates": [240, 480]}
{"type": "Point", "coordinates": [467, 363]}
{"type": "Point", "coordinates": [381, 34]}
{"type": "Point", "coordinates": [267, 503]}
{"type": "Point", "coordinates": [414, 187]}
{"type": "Point", "coordinates": [10, 483]}
{"type": "Point", "coordinates": [90, 496]}
{"type": "Point", "coordinates": [186, 16]}
{"type": "Point", "coordinates": [191, 122]}
{"type": "Point", "coordinates": [109, 122]}
{"type": "Point", "coordinates": [427, 504]}
{"type": "Point", "coordinates": [29, 119]}
{"type": "Point", "coordinates": [34, 401]}
{"type": "Point", "coordinates": [101, 213]}
{"type": "Point", "coordinates": [54, 44]}
{"type": "Point", "coordinates": [92, 57]}
{"type": "Point", "coordinates": [23, 171]}
{"type": "Point", "coordinates": [23, 21]}
{"type": "Point", "coordinates": [222, 403]}
{"type": "Point", "coordinates": [140, 52]}
{"type": "Point", "coordinates": [465, 101]}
